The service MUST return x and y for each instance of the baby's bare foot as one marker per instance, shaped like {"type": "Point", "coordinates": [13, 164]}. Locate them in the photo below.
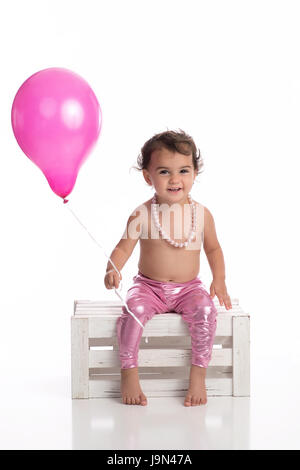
{"type": "Point", "coordinates": [130, 387]}
{"type": "Point", "coordinates": [196, 394]}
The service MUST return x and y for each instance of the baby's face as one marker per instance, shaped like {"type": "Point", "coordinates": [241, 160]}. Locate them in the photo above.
{"type": "Point", "coordinates": [171, 174]}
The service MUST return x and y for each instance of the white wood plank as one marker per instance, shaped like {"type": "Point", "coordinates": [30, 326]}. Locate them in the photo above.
{"type": "Point", "coordinates": [117, 303]}
{"type": "Point", "coordinates": [80, 357]}
{"type": "Point", "coordinates": [241, 356]}
{"type": "Point", "coordinates": [160, 387]}
{"type": "Point", "coordinates": [159, 358]}
{"type": "Point", "coordinates": [183, 342]}
{"type": "Point", "coordinates": [91, 308]}
{"type": "Point", "coordinates": [166, 324]}
{"type": "Point", "coordinates": [117, 311]}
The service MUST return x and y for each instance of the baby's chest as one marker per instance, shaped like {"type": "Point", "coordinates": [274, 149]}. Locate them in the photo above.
{"type": "Point", "coordinates": [174, 228]}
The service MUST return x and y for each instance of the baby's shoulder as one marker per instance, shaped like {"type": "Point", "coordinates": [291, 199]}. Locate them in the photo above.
{"type": "Point", "coordinates": [200, 204]}
{"type": "Point", "coordinates": [142, 210]}
{"type": "Point", "coordinates": [138, 220]}
{"type": "Point", "coordinates": [207, 213]}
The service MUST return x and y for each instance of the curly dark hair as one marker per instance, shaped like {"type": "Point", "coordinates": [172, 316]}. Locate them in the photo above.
{"type": "Point", "coordinates": [176, 141]}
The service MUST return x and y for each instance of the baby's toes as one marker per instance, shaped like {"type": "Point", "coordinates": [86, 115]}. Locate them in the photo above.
{"type": "Point", "coordinates": [188, 400]}
{"type": "Point", "coordinates": [194, 401]}
{"type": "Point", "coordinates": [143, 400]}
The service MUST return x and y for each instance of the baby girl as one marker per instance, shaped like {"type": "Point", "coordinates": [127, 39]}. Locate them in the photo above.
{"type": "Point", "coordinates": [170, 228]}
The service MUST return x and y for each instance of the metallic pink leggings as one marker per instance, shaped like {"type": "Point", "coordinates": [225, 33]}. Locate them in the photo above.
{"type": "Point", "coordinates": [147, 297]}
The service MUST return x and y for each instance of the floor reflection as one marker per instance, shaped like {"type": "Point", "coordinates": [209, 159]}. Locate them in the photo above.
{"type": "Point", "coordinates": [223, 423]}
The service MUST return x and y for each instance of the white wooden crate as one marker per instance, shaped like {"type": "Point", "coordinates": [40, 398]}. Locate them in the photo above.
{"type": "Point", "coordinates": [164, 355]}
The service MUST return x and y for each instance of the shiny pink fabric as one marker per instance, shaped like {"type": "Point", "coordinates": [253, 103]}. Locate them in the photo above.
{"type": "Point", "coordinates": [147, 297]}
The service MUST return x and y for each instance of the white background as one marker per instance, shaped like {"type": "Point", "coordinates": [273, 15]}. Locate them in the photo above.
{"type": "Point", "coordinates": [225, 72]}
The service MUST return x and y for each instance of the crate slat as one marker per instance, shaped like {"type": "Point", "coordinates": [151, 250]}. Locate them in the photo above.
{"type": "Point", "coordinates": [79, 357]}
{"type": "Point", "coordinates": [183, 342]}
{"type": "Point", "coordinates": [165, 387]}
{"type": "Point", "coordinates": [91, 308]}
{"type": "Point", "coordinates": [117, 303]}
{"type": "Point", "coordinates": [241, 356]}
{"type": "Point", "coordinates": [166, 324]}
{"type": "Point", "coordinates": [159, 357]}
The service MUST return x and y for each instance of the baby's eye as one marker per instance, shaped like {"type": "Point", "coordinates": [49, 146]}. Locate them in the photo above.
{"type": "Point", "coordinates": [163, 172]}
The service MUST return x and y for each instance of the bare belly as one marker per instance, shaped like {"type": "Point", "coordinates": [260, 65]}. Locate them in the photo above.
{"type": "Point", "coordinates": [174, 265]}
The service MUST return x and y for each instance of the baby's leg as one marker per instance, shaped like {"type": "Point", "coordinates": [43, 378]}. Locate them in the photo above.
{"type": "Point", "coordinates": [200, 313]}
{"type": "Point", "coordinates": [144, 304]}
{"type": "Point", "coordinates": [129, 331]}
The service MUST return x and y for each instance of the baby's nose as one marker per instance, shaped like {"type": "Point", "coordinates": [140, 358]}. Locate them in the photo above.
{"type": "Point", "coordinates": [174, 180]}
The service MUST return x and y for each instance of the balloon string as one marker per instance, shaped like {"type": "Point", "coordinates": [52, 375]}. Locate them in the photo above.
{"type": "Point", "coordinates": [100, 246]}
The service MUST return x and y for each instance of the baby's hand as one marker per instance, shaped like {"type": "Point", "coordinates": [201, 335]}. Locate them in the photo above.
{"type": "Point", "coordinates": [112, 279]}
{"type": "Point", "coordinates": [218, 288]}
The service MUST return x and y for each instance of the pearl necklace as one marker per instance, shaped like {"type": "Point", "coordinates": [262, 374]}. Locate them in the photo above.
{"type": "Point", "coordinates": [163, 233]}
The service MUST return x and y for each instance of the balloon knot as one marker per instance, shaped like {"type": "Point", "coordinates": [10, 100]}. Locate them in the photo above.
{"type": "Point", "coordinates": [65, 201]}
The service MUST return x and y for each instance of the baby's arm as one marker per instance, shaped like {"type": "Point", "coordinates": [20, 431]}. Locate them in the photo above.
{"type": "Point", "coordinates": [215, 258]}
{"type": "Point", "coordinates": [121, 253]}
{"type": "Point", "coordinates": [212, 246]}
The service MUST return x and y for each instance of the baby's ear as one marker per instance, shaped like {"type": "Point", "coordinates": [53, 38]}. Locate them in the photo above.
{"type": "Point", "coordinates": [147, 176]}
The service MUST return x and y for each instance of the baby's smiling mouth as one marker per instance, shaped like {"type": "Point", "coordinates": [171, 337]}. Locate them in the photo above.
{"type": "Point", "coordinates": [174, 189]}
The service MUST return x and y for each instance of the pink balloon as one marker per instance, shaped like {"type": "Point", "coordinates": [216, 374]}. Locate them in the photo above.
{"type": "Point", "coordinates": [56, 120]}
